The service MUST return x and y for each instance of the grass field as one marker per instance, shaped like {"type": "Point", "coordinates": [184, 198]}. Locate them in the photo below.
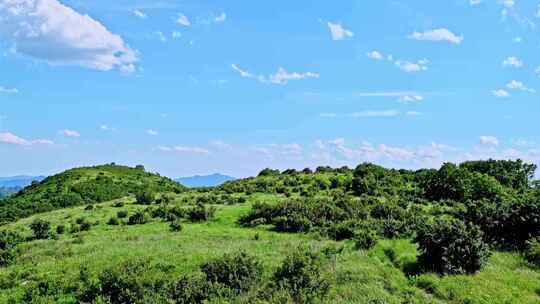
{"type": "Point", "coordinates": [375, 276]}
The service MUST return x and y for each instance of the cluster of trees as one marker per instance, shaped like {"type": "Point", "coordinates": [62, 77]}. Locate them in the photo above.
{"type": "Point", "coordinates": [454, 210]}
{"type": "Point", "coordinates": [299, 279]}
{"type": "Point", "coordinates": [82, 186]}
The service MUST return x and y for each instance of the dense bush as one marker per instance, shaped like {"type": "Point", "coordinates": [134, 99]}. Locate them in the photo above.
{"type": "Point", "coordinates": [176, 226]}
{"type": "Point", "coordinates": [300, 277]}
{"type": "Point", "coordinates": [40, 228]}
{"type": "Point", "coordinates": [195, 289]}
{"type": "Point", "coordinates": [121, 214]}
{"type": "Point", "coordinates": [450, 246]}
{"type": "Point", "coordinates": [133, 281]}
{"type": "Point", "coordinates": [532, 252]}
{"type": "Point", "coordinates": [113, 221]}
{"type": "Point", "coordinates": [200, 213]}
{"type": "Point", "coordinates": [60, 229]}
{"type": "Point", "coordinates": [238, 271]}
{"type": "Point", "coordinates": [365, 239]}
{"type": "Point", "coordinates": [8, 243]}
{"type": "Point", "coordinates": [145, 197]}
{"type": "Point", "coordinates": [138, 218]}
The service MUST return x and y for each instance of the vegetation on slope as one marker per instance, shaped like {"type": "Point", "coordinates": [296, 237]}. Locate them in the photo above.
{"type": "Point", "coordinates": [369, 235]}
{"type": "Point", "coordinates": [87, 185]}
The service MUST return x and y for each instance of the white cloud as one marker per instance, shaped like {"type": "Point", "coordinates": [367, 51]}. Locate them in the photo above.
{"type": "Point", "coordinates": [243, 73]}
{"type": "Point", "coordinates": [513, 62]}
{"type": "Point", "coordinates": [69, 133]}
{"type": "Point", "coordinates": [500, 93]}
{"type": "Point", "coordinates": [475, 2]}
{"type": "Point", "coordinates": [441, 34]}
{"type": "Point", "coordinates": [518, 85]}
{"type": "Point", "coordinates": [219, 144]}
{"type": "Point", "coordinates": [328, 115]}
{"type": "Point", "coordinates": [50, 31]}
{"type": "Point", "coordinates": [221, 18]}
{"type": "Point", "coordinates": [183, 20]}
{"type": "Point", "coordinates": [338, 32]}
{"type": "Point", "coordinates": [152, 132]}
{"type": "Point", "coordinates": [12, 139]}
{"type": "Point", "coordinates": [139, 14]}
{"type": "Point", "coordinates": [489, 140]}
{"type": "Point", "coordinates": [410, 98]}
{"type": "Point", "coordinates": [281, 77]}
{"type": "Point", "coordinates": [411, 67]}
{"type": "Point", "coordinates": [413, 113]}
{"type": "Point", "coordinates": [386, 113]}
{"type": "Point", "coordinates": [375, 55]}
{"type": "Point", "coordinates": [8, 90]}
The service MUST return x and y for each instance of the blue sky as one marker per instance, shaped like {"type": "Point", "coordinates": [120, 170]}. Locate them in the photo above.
{"type": "Point", "coordinates": [196, 87]}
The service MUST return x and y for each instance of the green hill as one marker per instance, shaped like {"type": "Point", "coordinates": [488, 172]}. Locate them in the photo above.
{"type": "Point", "coordinates": [465, 233]}
{"type": "Point", "coordinates": [87, 185]}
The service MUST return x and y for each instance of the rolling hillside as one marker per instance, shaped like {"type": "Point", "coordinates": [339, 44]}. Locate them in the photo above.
{"type": "Point", "coordinates": [87, 185]}
{"type": "Point", "coordinates": [462, 234]}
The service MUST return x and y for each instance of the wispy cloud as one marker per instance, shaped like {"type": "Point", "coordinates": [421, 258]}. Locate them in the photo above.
{"type": "Point", "coordinates": [440, 34]}
{"type": "Point", "coordinates": [500, 93]}
{"type": "Point", "coordinates": [152, 132]}
{"type": "Point", "coordinates": [8, 90]}
{"type": "Point", "coordinates": [512, 62]}
{"type": "Point", "coordinates": [183, 20]}
{"type": "Point", "coordinates": [412, 67]}
{"type": "Point", "coordinates": [140, 14]}
{"type": "Point", "coordinates": [281, 77]}
{"type": "Point", "coordinates": [12, 139]}
{"type": "Point", "coordinates": [69, 133]}
{"type": "Point", "coordinates": [518, 85]}
{"type": "Point", "coordinates": [339, 32]}
{"type": "Point", "coordinates": [385, 113]}
{"type": "Point", "coordinates": [489, 141]}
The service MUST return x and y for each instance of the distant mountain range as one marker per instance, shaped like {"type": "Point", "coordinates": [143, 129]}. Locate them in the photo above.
{"type": "Point", "coordinates": [20, 181]}
{"type": "Point", "coordinates": [204, 180]}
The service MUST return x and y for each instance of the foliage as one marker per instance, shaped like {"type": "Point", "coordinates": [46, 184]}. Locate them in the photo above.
{"type": "Point", "coordinates": [532, 253]}
{"type": "Point", "coordinates": [8, 243]}
{"type": "Point", "coordinates": [238, 271]}
{"type": "Point", "coordinates": [300, 277]}
{"type": "Point", "coordinates": [145, 197]}
{"type": "Point", "coordinates": [365, 239]}
{"type": "Point", "coordinates": [200, 213]}
{"type": "Point", "coordinates": [60, 229]}
{"type": "Point", "coordinates": [176, 226]}
{"type": "Point", "coordinates": [40, 228]}
{"type": "Point", "coordinates": [450, 246]}
{"type": "Point", "coordinates": [81, 186]}
{"type": "Point", "coordinates": [138, 218]}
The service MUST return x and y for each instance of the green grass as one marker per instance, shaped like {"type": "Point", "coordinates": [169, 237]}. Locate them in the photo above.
{"type": "Point", "coordinates": [381, 275]}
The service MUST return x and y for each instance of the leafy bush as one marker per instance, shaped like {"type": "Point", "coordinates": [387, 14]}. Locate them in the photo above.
{"type": "Point", "coordinates": [532, 253]}
{"type": "Point", "coordinates": [121, 214]}
{"type": "Point", "coordinates": [238, 271]}
{"type": "Point", "coordinates": [8, 242]}
{"type": "Point", "coordinates": [300, 276]}
{"type": "Point", "coordinates": [113, 221]}
{"type": "Point", "coordinates": [449, 246]}
{"type": "Point", "coordinates": [60, 229]}
{"type": "Point", "coordinates": [145, 197]}
{"type": "Point", "coordinates": [365, 239]}
{"type": "Point", "coordinates": [292, 223]}
{"type": "Point", "coordinates": [176, 226]}
{"type": "Point", "coordinates": [119, 204]}
{"type": "Point", "coordinates": [200, 213]}
{"type": "Point", "coordinates": [195, 289]}
{"type": "Point", "coordinates": [133, 281]}
{"type": "Point", "coordinates": [40, 228]}
{"type": "Point", "coordinates": [138, 218]}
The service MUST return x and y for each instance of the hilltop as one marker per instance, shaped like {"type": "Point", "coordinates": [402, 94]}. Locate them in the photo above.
{"type": "Point", "coordinates": [466, 233]}
{"type": "Point", "coordinates": [79, 186]}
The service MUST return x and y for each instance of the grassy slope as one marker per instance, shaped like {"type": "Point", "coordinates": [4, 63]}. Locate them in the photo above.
{"type": "Point", "coordinates": [359, 277]}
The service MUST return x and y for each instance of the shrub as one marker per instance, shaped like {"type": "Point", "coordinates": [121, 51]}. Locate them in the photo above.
{"type": "Point", "coordinates": [195, 289]}
{"type": "Point", "coordinates": [145, 197]}
{"type": "Point", "coordinates": [121, 214]}
{"type": "Point", "coordinates": [89, 207]}
{"type": "Point", "coordinates": [119, 204]}
{"type": "Point", "coordinates": [60, 229]}
{"type": "Point", "coordinates": [365, 239]}
{"type": "Point", "coordinates": [133, 281]}
{"type": "Point", "coordinates": [86, 226]}
{"type": "Point", "coordinates": [201, 213]}
{"type": "Point", "coordinates": [80, 220]}
{"type": "Point", "coordinates": [113, 221]}
{"type": "Point", "coordinates": [532, 253]}
{"type": "Point", "coordinates": [138, 218]}
{"type": "Point", "coordinates": [40, 228]}
{"type": "Point", "coordinates": [300, 276]}
{"type": "Point", "coordinates": [292, 223]}
{"type": "Point", "coordinates": [237, 271]}
{"type": "Point", "coordinates": [449, 246]}
{"type": "Point", "coordinates": [176, 226]}
{"type": "Point", "coordinates": [8, 241]}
